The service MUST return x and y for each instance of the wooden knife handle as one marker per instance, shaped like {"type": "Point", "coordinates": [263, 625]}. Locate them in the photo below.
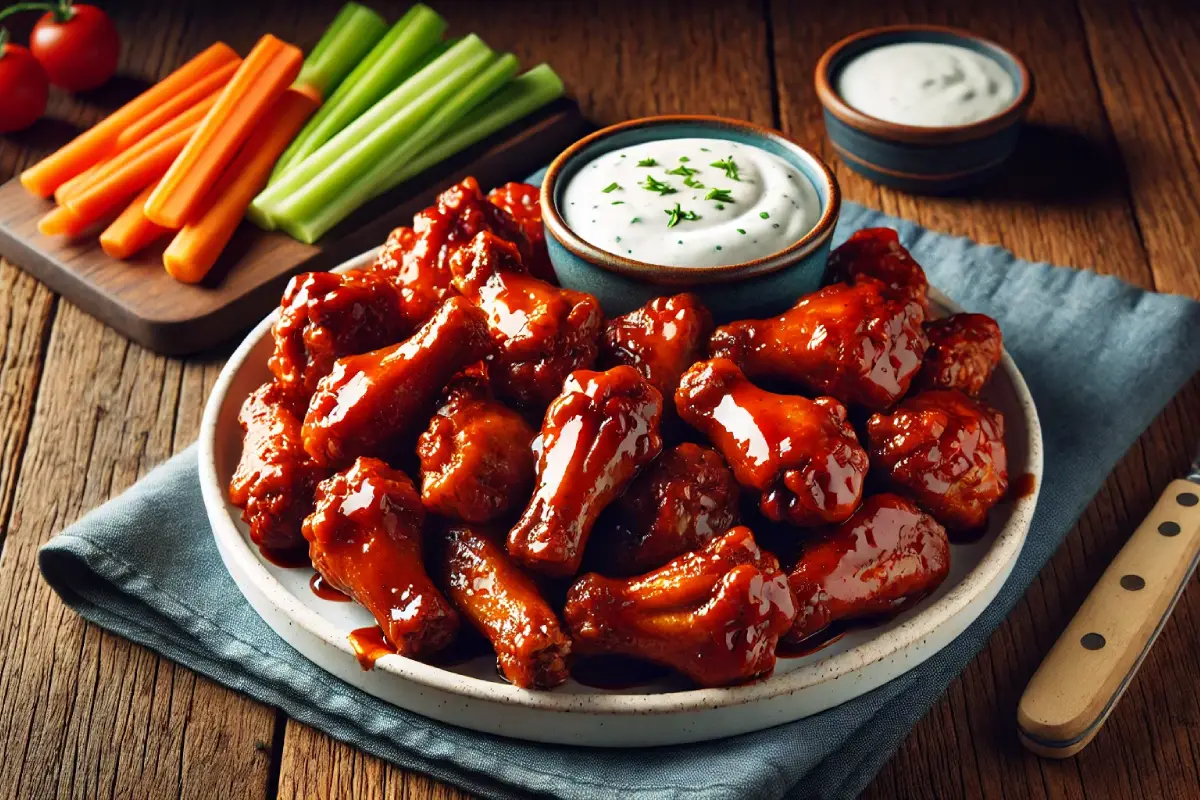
{"type": "Point", "coordinates": [1087, 670]}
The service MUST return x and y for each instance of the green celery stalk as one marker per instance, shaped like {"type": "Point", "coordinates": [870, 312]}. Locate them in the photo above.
{"type": "Point", "coordinates": [383, 69]}
{"type": "Point", "coordinates": [522, 96]}
{"type": "Point", "coordinates": [351, 35]}
{"type": "Point", "coordinates": [312, 212]}
{"type": "Point", "coordinates": [385, 114]}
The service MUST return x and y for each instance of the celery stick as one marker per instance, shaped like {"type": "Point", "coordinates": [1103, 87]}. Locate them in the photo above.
{"type": "Point", "coordinates": [353, 32]}
{"type": "Point", "coordinates": [522, 96]}
{"type": "Point", "coordinates": [382, 115]}
{"type": "Point", "coordinates": [379, 73]}
{"type": "Point", "coordinates": [310, 213]}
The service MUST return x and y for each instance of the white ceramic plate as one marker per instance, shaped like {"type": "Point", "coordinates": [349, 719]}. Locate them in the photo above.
{"type": "Point", "coordinates": [473, 696]}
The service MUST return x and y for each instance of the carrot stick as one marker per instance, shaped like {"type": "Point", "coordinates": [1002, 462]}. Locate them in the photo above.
{"type": "Point", "coordinates": [111, 190]}
{"type": "Point", "coordinates": [76, 183]}
{"type": "Point", "coordinates": [259, 81]}
{"type": "Point", "coordinates": [196, 247]}
{"type": "Point", "coordinates": [62, 221]}
{"type": "Point", "coordinates": [99, 141]}
{"type": "Point", "coordinates": [178, 104]}
{"type": "Point", "coordinates": [131, 231]}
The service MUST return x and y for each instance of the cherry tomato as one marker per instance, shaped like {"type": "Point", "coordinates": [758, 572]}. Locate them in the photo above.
{"type": "Point", "coordinates": [80, 52]}
{"type": "Point", "coordinates": [24, 87]}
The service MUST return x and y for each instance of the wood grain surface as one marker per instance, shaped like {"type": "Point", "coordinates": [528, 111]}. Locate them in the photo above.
{"type": "Point", "coordinates": [1104, 179]}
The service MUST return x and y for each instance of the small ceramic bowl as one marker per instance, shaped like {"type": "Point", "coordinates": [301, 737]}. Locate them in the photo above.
{"type": "Point", "coordinates": [922, 160]}
{"type": "Point", "coordinates": [760, 288]}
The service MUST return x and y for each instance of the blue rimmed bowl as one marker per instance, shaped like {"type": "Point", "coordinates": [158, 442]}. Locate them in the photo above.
{"type": "Point", "coordinates": [921, 160]}
{"type": "Point", "coordinates": [759, 288]}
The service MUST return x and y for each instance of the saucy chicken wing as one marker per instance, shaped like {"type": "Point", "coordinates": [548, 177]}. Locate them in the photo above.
{"type": "Point", "coordinates": [326, 315]}
{"type": "Point", "coordinates": [368, 401]}
{"type": "Point", "coordinates": [888, 555]}
{"type": "Point", "coordinates": [524, 203]}
{"type": "Point", "coordinates": [542, 333]}
{"type": "Point", "coordinates": [715, 615]}
{"type": "Point", "coordinates": [597, 434]}
{"type": "Point", "coordinates": [275, 478]}
{"type": "Point", "coordinates": [416, 260]}
{"type": "Point", "coordinates": [365, 539]}
{"type": "Point", "coordinates": [801, 454]}
{"type": "Point", "coordinates": [858, 343]}
{"type": "Point", "coordinates": [877, 253]}
{"type": "Point", "coordinates": [660, 340]}
{"type": "Point", "coordinates": [476, 463]}
{"type": "Point", "coordinates": [679, 503]}
{"type": "Point", "coordinates": [946, 451]}
{"type": "Point", "coordinates": [964, 350]}
{"type": "Point", "coordinates": [504, 604]}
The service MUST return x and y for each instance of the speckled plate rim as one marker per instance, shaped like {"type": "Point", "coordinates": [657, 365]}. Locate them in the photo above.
{"type": "Point", "coordinates": [807, 244]}
{"type": "Point", "coordinates": [919, 134]}
{"type": "Point", "coordinates": [994, 565]}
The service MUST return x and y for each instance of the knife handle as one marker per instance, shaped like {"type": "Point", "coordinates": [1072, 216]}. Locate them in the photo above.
{"type": "Point", "coordinates": [1094, 659]}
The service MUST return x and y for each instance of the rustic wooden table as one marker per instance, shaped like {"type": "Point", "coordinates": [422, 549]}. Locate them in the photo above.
{"type": "Point", "coordinates": [1105, 179]}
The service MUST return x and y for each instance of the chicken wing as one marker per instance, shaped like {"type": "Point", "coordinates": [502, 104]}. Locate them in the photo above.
{"type": "Point", "coordinates": [365, 539]}
{"type": "Point", "coordinates": [963, 352]}
{"type": "Point", "coordinates": [325, 316]}
{"type": "Point", "coordinates": [715, 615]}
{"type": "Point", "coordinates": [597, 434]}
{"type": "Point", "coordinates": [801, 454]}
{"type": "Point", "coordinates": [946, 451]}
{"type": "Point", "coordinates": [524, 203]}
{"type": "Point", "coordinates": [417, 259]}
{"type": "Point", "coordinates": [476, 461]}
{"type": "Point", "coordinates": [660, 340]}
{"type": "Point", "coordinates": [679, 503]}
{"type": "Point", "coordinates": [877, 253]}
{"type": "Point", "coordinates": [274, 480]}
{"type": "Point", "coordinates": [504, 604]}
{"type": "Point", "coordinates": [888, 555]}
{"type": "Point", "coordinates": [542, 333]}
{"type": "Point", "coordinates": [858, 343]}
{"type": "Point", "coordinates": [369, 401]}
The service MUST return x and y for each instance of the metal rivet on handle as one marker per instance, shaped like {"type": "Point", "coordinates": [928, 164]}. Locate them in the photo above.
{"type": "Point", "coordinates": [1092, 641]}
{"type": "Point", "coordinates": [1187, 499]}
{"type": "Point", "coordinates": [1132, 583]}
{"type": "Point", "coordinates": [1169, 529]}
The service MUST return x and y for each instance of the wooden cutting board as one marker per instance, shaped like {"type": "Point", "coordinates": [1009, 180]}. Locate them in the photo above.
{"type": "Point", "coordinates": [140, 300]}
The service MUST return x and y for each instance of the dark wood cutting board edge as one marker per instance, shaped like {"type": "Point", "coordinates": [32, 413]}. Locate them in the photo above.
{"type": "Point", "coordinates": [138, 299]}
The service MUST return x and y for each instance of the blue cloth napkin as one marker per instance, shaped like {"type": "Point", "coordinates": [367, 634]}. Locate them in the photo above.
{"type": "Point", "coordinates": [145, 565]}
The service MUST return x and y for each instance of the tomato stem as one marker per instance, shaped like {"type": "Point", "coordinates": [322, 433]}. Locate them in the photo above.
{"type": "Point", "coordinates": [3, 39]}
{"type": "Point", "coordinates": [62, 10]}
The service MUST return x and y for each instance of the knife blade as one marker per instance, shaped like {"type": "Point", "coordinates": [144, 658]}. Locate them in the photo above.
{"type": "Point", "coordinates": [1089, 667]}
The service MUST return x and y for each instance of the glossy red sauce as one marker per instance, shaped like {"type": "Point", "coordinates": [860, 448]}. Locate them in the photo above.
{"type": "Point", "coordinates": [321, 588]}
{"type": "Point", "coordinates": [615, 672]}
{"type": "Point", "coordinates": [369, 645]}
{"type": "Point", "coordinates": [1024, 485]}
{"type": "Point", "coordinates": [288, 559]}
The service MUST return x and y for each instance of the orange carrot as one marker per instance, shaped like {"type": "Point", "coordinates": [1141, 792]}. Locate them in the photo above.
{"type": "Point", "coordinates": [181, 102]}
{"type": "Point", "coordinates": [259, 81]}
{"type": "Point", "coordinates": [131, 231]}
{"type": "Point", "coordinates": [76, 183]}
{"type": "Point", "coordinates": [106, 193]}
{"type": "Point", "coordinates": [188, 120]}
{"type": "Point", "coordinates": [100, 140]}
{"type": "Point", "coordinates": [62, 221]}
{"type": "Point", "coordinates": [196, 247]}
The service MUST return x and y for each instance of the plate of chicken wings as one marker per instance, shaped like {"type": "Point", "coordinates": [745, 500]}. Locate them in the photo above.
{"type": "Point", "coordinates": [461, 488]}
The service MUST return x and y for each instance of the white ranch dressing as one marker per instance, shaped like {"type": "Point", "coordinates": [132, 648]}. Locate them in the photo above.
{"type": "Point", "coordinates": [717, 220]}
{"type": "Point", "coordinates": [925, 84]}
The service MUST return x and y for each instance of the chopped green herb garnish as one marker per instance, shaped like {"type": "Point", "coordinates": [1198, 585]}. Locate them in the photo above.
{"type": "Point", "coordinates": [692, 183]}
{"type": "Point", "coordinates": [684, 159]}
{"type": "Point", "coordinates": [635, 220]}
{"type": "Point", "coordinates": [618, 202]}
{"type": "Point", "coordinates": [618, 238]}
{"type": "Point", "coordinates": [742, 231]}
{"type": "Point", "coordinates": [764, 215]}
{"type": "Point", "coordinates": [652, 184]}
{"type": "Point", "coordinates": [705, 150]}
{"type": "Point", "coordinates": [718, 247]}
{"type": "Point", "coordinates": [730, 167]}
{"type": "Point", "coordinates": [677, 214]}
{"type": "Point", "coordinates": [720, 195]}
{"type": "Point", "coordinates": [682, 170]}
{"type": "Point", "coordinates": [647, 162]}
{"type": "Point", "coordinates": [612, 187]}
